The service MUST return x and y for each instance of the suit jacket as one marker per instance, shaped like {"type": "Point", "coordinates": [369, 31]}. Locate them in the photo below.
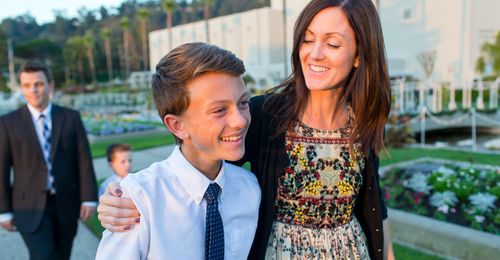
{"type": "Point", "coordinates": [72, 168]}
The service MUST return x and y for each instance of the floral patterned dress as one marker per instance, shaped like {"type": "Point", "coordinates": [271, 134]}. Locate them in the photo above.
{"type": "Point", "coordinates": [314, 216]}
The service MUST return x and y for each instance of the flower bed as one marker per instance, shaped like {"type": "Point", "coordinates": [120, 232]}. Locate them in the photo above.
{"type": "Point", "coordinates": [113, 124]}
{"type": "Point", "coordinates": [459, 193]}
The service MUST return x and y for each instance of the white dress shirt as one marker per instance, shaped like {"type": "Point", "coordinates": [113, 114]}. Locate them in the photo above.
{"type": "Point", "coordinates": [169, 196]}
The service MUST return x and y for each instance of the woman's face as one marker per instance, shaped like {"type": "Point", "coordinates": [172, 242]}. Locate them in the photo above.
{"type": "Point", "coordinates": [328, 50]}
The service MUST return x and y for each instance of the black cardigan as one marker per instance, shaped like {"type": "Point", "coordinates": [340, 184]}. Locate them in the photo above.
{"type": "Point", "coordinates": [268, 159]}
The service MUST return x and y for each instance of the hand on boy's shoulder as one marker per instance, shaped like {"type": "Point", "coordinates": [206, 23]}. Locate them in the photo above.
{"type": "Point", "coordinates": [116, 214]}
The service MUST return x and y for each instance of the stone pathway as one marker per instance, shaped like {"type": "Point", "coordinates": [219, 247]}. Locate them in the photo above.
{"type": "Point", "coordinates": [85, 244]}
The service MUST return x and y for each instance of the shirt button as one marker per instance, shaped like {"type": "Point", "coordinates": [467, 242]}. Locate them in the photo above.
{"type": "Point", "coordinates": [373, 209]}
{"type": "Point", "coordinates": [377, 230]}
{"type": "Point", "coordinates": [380, 250]}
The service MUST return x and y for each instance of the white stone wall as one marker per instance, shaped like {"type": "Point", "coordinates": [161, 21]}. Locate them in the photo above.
{"type": "Point", "coordinates": [455, 29]}
{"type": "Point", "coordinates": [255, 36]}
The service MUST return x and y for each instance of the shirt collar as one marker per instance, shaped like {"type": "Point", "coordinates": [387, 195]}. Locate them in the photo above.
{"type": "Point", "coordinates": [36, 114]}
{"type": "Point", "coordinates": [194, 182]}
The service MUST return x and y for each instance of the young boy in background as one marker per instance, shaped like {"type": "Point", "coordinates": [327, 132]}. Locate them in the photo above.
{"type": "Point", "coordinates": [119, 160]}
{"type": "Point", "coordinates": [193, 205]}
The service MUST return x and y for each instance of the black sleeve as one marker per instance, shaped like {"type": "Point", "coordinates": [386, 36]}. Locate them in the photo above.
{"type": "Point", "coordinates": [383, 208]}
{"type": "Point", "coordinates": [5, 165]}
{"type": "Point", "coordinates": [87, 181]}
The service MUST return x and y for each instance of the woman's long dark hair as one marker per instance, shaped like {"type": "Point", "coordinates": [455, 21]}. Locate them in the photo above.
{"type": "Point", "coordinates": [367, 87]}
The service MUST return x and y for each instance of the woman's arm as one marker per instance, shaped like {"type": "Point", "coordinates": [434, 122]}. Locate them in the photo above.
{"type": "Point", "coordinates": [129, 245]}
{"type": "Point", "coordinates": [117, 214]}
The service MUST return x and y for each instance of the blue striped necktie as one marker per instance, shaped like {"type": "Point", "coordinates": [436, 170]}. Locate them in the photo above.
{"type": "Point", "coordinates": [214, 231]}
{"type": "Point", "coordinates": [46, 150]}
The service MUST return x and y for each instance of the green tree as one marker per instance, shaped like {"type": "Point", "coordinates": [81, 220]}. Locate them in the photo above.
{"type": "Point", "coordinates": [88, 41]}
{"type": "Point", "coordinates": [106, 37]}
{"type": "Point", "coordinates": [143, 18]}
{"type": "Point", "coordinates": [169, 7]}
{"type": "Point", "coordinates": [125, 26]}
{"type": "Point", "coordinates": [480, 65]}
{"type": "Point", "coordinates": [492, 53]}
{"type": "Point", "coordinates": [3, 61]}
{"type": "Point", "coordinates": [74, 52]}
{"type": "Point", "coordinates": [206, 15]}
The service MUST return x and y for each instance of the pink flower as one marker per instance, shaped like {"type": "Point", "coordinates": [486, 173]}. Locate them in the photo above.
{"type": "Point", "coordinates": [417, 198]}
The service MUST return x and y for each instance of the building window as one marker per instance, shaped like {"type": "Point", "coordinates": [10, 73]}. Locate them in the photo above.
{"type": "Point", "coordinates": [408, 15]}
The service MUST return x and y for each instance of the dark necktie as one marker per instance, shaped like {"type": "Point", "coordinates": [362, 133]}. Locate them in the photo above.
{"type": "Point", "coordinates": [214, 235]}
{"type": "Point", "coordinates": [46, 150]}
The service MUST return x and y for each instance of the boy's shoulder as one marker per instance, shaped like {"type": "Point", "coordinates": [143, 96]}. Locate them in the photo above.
{"type": "Point", "coordinates": [234, 172]}
{"type": "Point", "coordinates": [148, 176]}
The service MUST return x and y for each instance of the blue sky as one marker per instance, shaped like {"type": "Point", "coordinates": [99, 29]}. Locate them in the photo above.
{"type": "Point", "coordinates": [43, 10]}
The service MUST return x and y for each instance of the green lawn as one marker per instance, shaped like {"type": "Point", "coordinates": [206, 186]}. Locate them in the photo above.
{"type": "Point", "coordinates": [406, 154]}
{"type": "Point", "coordinates": [402, 252]}
{"type": "Point", "coordinates": [98, 149]}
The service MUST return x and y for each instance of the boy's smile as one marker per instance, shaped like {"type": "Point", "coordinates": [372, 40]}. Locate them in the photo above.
{"type": "Point", "coordinates": [214, 126]}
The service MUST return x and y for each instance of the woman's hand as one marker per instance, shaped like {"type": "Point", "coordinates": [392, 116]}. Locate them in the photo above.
{"type": "Point", "coordinates": [115, 213]}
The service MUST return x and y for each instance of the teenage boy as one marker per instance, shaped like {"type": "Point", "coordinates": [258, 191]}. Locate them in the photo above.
{"type": "Point", "coordinates": [193, 205]}
{"type": "Point", "coordinates": [119, 160]}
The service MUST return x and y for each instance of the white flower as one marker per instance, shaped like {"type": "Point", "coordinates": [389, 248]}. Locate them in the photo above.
{"type": "Point", "coordinates": [444, 209]}
{"type": "Point", "coordinates": [442, 200]}
{"type": "Point", "coordinates": [483, 201]}
{"type": "Point", "coordinates": [479, 219]}
{"type": "Point", "coordinates": [446, 172]}
{"type": "Point", "coordinates": [418, 183]}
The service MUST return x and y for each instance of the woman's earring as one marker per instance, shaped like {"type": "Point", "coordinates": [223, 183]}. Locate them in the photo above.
{"type": "Point", "coordinates": [356, 63]}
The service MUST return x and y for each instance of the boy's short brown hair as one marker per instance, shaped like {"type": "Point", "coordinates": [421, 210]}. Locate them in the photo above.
{"type": "Point", "coordinates": [115, 148]}
{"type": "Point", "coordinates": [36, 66]}
{"type": "Point", "coordinates": [184, 64]}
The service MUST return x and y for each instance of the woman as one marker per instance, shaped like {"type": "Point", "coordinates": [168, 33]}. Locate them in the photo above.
{"type": "Point", "coordinates": [314, 141]}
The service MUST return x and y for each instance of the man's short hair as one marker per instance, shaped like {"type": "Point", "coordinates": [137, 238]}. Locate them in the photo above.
{"type": "Point", "coordinates": [183, 64]}
{"type": "Point", "coordinates": [116, 148]}
{"type": "Point", "coordinates": [36, 66]}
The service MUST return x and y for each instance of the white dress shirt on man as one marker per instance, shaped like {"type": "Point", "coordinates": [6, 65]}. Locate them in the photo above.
{"type": "Point", "coordinates": [169, 197]}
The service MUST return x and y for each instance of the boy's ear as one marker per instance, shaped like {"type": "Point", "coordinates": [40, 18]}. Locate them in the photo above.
{"type": "Point", "coordinates": [175, 126]}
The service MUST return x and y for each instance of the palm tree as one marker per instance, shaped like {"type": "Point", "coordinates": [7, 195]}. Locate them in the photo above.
{"type": "Point", "coordinates": [106, 36]}
{"type": "Point", "coordinates": [206, 16]}
{"type": "Point", "coordinates": [125, 25]}
{"type": "Point", "coordinates": [143, 17]}
{"type": "Point", "coordinates": [74, 51]}
{"type": "Point", "coordinates": [88, 41]}
{"type": "Point", "coordinates": [169, 7]}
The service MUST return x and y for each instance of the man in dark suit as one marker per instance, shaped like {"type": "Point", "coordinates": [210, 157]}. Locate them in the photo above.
{"type": "Point", "coordinates": [54, 181]}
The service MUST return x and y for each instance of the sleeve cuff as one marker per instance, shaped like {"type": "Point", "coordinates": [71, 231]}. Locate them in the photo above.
{"type": "Point", "coordinates": [4, 217]}
{"type": "Point", "coordinates": [89, 203]}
